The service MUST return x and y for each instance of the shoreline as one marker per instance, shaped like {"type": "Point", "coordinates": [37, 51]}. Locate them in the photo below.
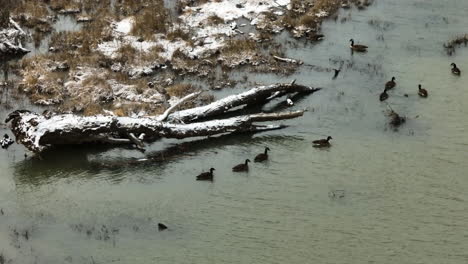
{"type": "Point", "coordinates": [133, 60]}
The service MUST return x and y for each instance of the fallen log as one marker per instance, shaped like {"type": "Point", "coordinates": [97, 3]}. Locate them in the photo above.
{"type": "Point", "coordinates": [36, 132]}
{"type": "Point", "coordinates": [288, 60]}
{"type": "Point", "coordinates": [40, 131]}
{"type": "Point", "coordinates": [255, 95]}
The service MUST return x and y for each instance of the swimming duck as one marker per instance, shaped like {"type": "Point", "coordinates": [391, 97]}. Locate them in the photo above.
{"type": "Point", "coordinates": [262, 156]}
{"type": "Point", "coordinates": [161, 227]}
{"type": "Point", "coordinates": [390, 84]}
{"type": "Point", "coordinates": [422, 92]}
{"type": "Point", "coordinates": [322, 142]}
{"type": "Point", "coordinates": [357, 47]}
{"type": "Point", "coordinates": [455, 70]}
{"type": "Point", "coordinates": [289, 101]}
{"type": "Point", "coordinates": [206, 176]}
{"type": "Point", "coordinates": [242, 166]}
{"type": "Point", "coordinates": [383, 95]}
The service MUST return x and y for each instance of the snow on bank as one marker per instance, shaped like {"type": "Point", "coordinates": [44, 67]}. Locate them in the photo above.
{"type": "Point", "coordinates": [109, 90]}
{"type": "Point", "coordinates": [10, 40]}
{"type": "Point", "coordinates": [230, 10]}
{"type": "Point", "coordinates": [208, 37]}
{"type": "Point", "coordinates": [122, 29]}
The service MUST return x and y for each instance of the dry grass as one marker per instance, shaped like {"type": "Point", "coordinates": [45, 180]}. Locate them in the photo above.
{"type": "Point", "coordinates": [126, 53]}
{"type": "Point", "coordinates": [7, 6]}
{"type": "Point", "coordinates": [63, 4]}
{"type": "Point", "coordinates": [180, 90]}
{"type": "Point", "coordinates": [151, 20]}
{"type": "Point", "coordinates": [178, 34]}
{"type": "Point", "coordinates": [36, 9]}
{"type": "Point", "coordinates": [215, 20]}
{"type": "Point", "coordinates": [238, 46]}
{"type": "Point", "coordinates": [304, 12]}
{"type": "Point", "coordinates": [32, 14]}
{"type": "Point", "coordinates": [93, 109]}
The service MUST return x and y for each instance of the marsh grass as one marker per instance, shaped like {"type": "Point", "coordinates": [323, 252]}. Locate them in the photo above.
{"type": "Point", "coordinates": [150, 20]}
{"type": "Point", "coordinates": [57, 5]}
{"type": "Point", "coordinates": [238, 46]}
{"type": "Point", "coordinates": [180, 90]}
{"type": "Point", "coordinates": [215, 20]}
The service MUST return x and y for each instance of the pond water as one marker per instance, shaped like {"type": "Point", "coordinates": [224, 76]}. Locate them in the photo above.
{"type": "Point", "coordinates": [404, 191]}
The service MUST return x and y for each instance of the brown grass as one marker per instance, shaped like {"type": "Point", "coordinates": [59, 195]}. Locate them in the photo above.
{"type": "Point", "coordinates": [178, 33]}
{"type": "Point", "coordinates": [93, 109]}
{"type": "Point", "coordinates": [240, 45]}
{"type": "Point", "coordinates": [63, 4]}
{"type": "Point", "coordinates": [7, 6]}
{"type": "Point", "coordinates": [215, 20]}
{"type": "Point", "coordinates": [180, 89]}
{"type": "Point", "coordinates": [151, 20]}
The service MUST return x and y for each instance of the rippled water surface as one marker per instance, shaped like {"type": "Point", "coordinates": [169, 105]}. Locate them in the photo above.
{"type": "Point", "coordinates": [405, 198]}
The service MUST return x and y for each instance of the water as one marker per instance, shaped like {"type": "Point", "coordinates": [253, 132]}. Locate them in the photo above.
{"type": "Point", "coordinates": [404, 191]}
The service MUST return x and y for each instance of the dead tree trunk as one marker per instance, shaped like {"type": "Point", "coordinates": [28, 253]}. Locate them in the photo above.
{"type": "Point", "coordinates": [37, 132]}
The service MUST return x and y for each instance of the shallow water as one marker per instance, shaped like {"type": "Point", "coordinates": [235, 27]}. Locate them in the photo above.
{"type": "Point", "coordinates": [404, 191]}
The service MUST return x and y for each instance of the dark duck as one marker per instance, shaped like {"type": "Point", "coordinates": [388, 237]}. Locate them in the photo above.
{"type": "Point", "coordinates": [390, 84]}
{"type": "Point", "coordinates": [357, 47]}
{"type": "Point", "coordinates": [206, 176]}
{"type": "Point", "coordinates": [383, 95]}
{"type": "Point", "coordinates": [322, 143]}
{"type": "Point", "coordinates": [262, 156]}
{"type": "Point", "coordinates": [422, 92]}
{"type": "Point", "coordinates": [455, 69]}
{"type": "Point", "coordinates": [242, 166]}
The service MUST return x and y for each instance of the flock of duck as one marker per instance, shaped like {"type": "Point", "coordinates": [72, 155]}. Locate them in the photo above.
{"type": "Point", "coordinates": [391, 84]}
{"type": "Point", "coordinates": [244, 167]}
{"type": "Point", "coordinates": [323, 143]}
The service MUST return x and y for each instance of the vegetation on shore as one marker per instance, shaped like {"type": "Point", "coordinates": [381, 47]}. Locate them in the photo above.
{"type": "Point", "coordinates": [154, 50]}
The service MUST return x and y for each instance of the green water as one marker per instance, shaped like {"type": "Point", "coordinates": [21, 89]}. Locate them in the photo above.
{"type": "Point", "coordinates": [405, 191]}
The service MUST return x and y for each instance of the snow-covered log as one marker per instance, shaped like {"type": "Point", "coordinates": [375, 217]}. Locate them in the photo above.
{"type": "Point", "coordinates": [288, 60]}
{"type": "Point", "coordinates": [257, 95]}
{"type": "Point", "coordinates": [39, 131]}
{"type": "Point", "coordinates": [10, 40]}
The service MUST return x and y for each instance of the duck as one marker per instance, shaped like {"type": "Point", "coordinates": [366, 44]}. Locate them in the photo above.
{"type": "Point", "coordinates": [262, 156]}
{"type": "Point", "coordinates": [242, 166]}
{"type": "Point", "coordinates": [161, 227]}
{"type": "Point", "coordinates": [422, 92]}
{"type": "Point", "coordinates": [289, 102]}
{"type": "Point", "coordinates": [357, 47]}
{"type": "Point", "coordinates": [383, 95]}
{"type": "Point", "coordinates": [206, 176]}
{"type": "Point", "coordinates": [455, 70]}
{"type": "Point", "coordinates": [337, 71]}
{"type": "Point", "coordinates": [390, 84]}
{"type": "Point", "coordinates": [322, 142]}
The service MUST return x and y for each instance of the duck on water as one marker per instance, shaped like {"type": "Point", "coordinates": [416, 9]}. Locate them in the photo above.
{"type": "Point", "coordinates": [455, 69]}
{"type": "Point", "coordinates": [206, 176]}
{"type": "Point", "coordinates": [357, 47]}
{"type": "Point", "coordinates": [383, 95]}
{"type": "Point", "coordinates": [242, 166]}
{"type": "Point", "coordinates": [322, 143]}
{"type": "Point", "coordinates": [262, 156]}
{"type": "Point", "coordinates": [390, 84]}
{"type": "Point", "coordinates": [422, 92]}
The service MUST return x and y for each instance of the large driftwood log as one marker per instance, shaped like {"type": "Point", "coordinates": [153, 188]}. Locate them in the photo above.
{"type": "Point", "coordinates": [257, 95]}
{"type": "Point", "coordinates": [37, 132]}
